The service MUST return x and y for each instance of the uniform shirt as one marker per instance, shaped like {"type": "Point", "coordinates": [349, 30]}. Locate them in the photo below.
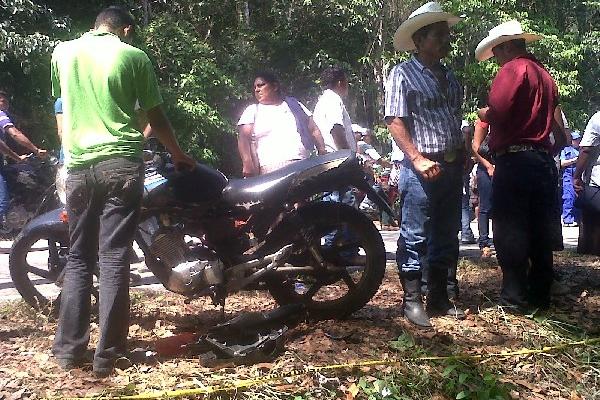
{"type": "Point", "coordinates": [99, 79]}
{"type": "Point", "coordinates": [330, 111]}
{"type": "Point", "coordinates": [432, 115]}
{"type": "Point", "coordinates": [521, 104]}
{"type": "Point", "coordinates": [591, 138]}
{"type": "Point", "coordinates": [275, 134]}
{"type": "Point", "coordinates": [569, 153]}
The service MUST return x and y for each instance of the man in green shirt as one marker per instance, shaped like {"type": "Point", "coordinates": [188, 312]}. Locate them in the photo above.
{"type": "Point", "coordinates": [100, 78]}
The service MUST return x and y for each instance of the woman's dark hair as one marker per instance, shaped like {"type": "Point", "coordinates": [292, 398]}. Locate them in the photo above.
{"type": "Point", "coordinates": [331, 76]}
{"type": "Point", "coordinates": [268, 77]}
{"type": "Point", "coordinates": [271, 79]}
{"type": "Point", "coordinates": [114, 17]}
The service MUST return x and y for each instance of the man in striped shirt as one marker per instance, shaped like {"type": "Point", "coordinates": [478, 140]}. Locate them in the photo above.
{"type": "Point", "coordinates": [423, 102]}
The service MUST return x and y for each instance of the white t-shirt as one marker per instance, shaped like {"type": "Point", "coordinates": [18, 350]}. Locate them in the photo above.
{"type": "Point", "coordinates": [591, 138]}
{"type": "Point", "coordinates": [330, 111]}
{"type": "Point", "coordinates": [275, 133]}
{"type": "Point", "coordinates": [397, 154]}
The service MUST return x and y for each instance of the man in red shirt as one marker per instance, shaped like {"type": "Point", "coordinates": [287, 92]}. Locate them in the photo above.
{"type": "Point", "coordinates": [521, 107]}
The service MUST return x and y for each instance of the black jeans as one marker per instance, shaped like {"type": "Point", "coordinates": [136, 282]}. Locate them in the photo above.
{"type": "Point", "coordinates": [103, 204]}
{"type": "Point", "coordinates": [524, 200]}
{"type": "Point", "coordinates": [484, 187]}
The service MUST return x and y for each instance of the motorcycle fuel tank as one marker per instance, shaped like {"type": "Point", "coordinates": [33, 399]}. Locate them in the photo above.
{"type": "Point", "coordinates": [202, 184]}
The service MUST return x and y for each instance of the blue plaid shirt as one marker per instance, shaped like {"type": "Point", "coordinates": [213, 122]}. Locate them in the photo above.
{"type": "Point", "coordinates": [432, 115]}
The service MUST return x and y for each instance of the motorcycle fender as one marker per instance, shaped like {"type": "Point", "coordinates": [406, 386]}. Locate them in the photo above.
{"type": "Point", "coordinates": [50, 220]}
{"type": "Point", "coordinates": [381, 203]}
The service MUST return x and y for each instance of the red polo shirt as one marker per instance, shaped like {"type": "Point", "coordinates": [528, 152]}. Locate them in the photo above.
{"type": "Point", "coordinates": [521, 104]}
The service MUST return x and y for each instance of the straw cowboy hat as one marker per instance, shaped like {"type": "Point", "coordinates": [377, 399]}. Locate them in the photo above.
{"type": "Point", "coordinates": [505, 32]}
{"type": "Point", "coordinates": [427, 14]}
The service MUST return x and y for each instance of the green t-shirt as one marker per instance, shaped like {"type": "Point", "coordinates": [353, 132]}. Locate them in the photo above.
{"type": "Point", "coordinates": [101, 79]}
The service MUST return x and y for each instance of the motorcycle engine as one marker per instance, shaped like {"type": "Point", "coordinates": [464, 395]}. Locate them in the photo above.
{"type": "Point", "coordinates": [188, 275]}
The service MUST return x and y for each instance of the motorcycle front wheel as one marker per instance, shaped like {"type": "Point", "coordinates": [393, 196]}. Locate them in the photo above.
{"type": "Point", "coordinates": [353, 256]}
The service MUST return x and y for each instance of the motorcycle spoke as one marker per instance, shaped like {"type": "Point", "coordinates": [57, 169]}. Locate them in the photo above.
{"type": "Point", "coordinates": [40, 272]}
{"type": "Point", "coordinates": [349, 281]}
{"type": "Point", "coordinates": [315, 287]}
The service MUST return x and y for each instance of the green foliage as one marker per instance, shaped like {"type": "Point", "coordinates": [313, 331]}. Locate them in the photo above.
{"type": "Point", "coordinates": [465, 381]}
{"type": "Point", "coordinates": [207, 51]}
{"type": "Point", "coordinates": [197, 91]}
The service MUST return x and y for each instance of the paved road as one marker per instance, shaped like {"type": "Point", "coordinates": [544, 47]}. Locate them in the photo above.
{"type": "Point", "coordinates": [39, 258]}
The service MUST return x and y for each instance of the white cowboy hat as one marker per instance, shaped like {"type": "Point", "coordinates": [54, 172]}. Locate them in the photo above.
{"type": "Point", "coordinates": [504, 32]}
{"type": "Point", "coordinates": [358, 128]}
{"type": "Point", "coordinates": [427, 14]}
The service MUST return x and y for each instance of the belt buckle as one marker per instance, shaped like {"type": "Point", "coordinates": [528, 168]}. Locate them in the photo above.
{"type": "Point", "coordinates": [450, 156]}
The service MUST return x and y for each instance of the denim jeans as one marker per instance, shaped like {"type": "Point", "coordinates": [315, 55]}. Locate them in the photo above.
{"type": "Point", "coordinates": [484, 187]}
{"type": "Point", "coordinates": [4, 197]}
{"type": "Point", "coordinates": [466, 233]}
{"type": "Point", "coordinates": [430, 219]}
{"type": "Point", "coordinates": [345, 196]}
{"type": "Point", "coordinates": [524, 199]}
{"type": "Point", "coordinates": [103, 204]}
{"type": "Point", "coordinates": [570, 213]}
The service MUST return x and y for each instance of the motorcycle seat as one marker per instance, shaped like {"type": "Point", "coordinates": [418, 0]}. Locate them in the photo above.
{"type": "Point", "coordinates": [274, 187]}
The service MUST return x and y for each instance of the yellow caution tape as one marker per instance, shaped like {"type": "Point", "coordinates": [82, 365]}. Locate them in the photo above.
{"type": "Point", "coordinates": [246, 383]}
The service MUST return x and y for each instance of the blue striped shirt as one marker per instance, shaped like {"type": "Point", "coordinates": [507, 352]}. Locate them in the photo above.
{"type": "Point", "coordinates": [432, 115]}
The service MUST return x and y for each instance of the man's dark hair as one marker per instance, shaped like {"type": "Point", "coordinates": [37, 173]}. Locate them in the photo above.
{"type": "Point", "coordinates": [114, 17]}
{"type": "Point", "coordinates": [4, 94]}
{"type": "Point", "coordinates": [331, 76]}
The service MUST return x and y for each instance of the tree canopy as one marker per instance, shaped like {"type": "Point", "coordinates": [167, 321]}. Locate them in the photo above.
{"type": "Point", "coordinates": [206, 53]}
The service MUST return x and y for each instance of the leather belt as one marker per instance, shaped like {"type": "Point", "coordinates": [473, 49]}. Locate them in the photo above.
{"type": "Point", "coordinates": [517, 148]}
{"type": "Point", "coordinates": [449, 156]}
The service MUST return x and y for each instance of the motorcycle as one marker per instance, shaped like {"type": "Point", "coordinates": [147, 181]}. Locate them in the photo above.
{"type": "Point", "coordinates": [204, 235]}
{"type": "Point", "coordinates": [32, 192]}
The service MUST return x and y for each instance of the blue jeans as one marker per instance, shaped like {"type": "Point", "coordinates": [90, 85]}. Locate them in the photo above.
{"type": "Point", "coordinates": [570, 213]}
{"type": "Point", "coordinates": [345, 197]}
{"type": "Point", "coordinates": [466, 233]}
{"type": "Point", "coordinates": [103, 204]}
{"type": "Point", "coordinates": [430, 218]}
{"type": "Point", "coordinates": [484, 187]}
{"type": "Point", "coordinates": [4, 197]}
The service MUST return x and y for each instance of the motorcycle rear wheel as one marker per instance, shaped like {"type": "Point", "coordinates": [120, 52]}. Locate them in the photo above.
{"type": "Point", "coordinates": [30, 266]}
{"type": "Point", "coordinates": [351, 279]}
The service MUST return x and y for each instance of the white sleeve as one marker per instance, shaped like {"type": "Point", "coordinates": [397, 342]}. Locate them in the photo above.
{"type": "Point", "coordinates": [249, 115]}
{"type": "Point", "coordinates": [591, 136]}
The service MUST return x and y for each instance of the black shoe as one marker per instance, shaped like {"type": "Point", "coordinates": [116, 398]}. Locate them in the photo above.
{"type": "Point", "coordinates": [469, 240]}
{"type": "Point", "coordinates": [444, 308]}
{"type": "Point", "coordinates": [438, 302]}
{"type": "Point", "coordinates": [412, 305]}
{"type": "Point", "coordinates": [69, 363]}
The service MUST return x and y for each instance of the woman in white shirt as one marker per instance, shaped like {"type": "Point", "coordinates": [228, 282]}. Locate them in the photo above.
{"type": "Point", "coordinates": [276, 131]}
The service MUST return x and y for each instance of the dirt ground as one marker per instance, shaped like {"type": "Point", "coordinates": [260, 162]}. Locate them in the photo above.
{"type": "Point", "coordinates": [378, 331]}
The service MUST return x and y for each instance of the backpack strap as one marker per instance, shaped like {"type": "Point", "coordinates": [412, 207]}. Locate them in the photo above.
{"type": "Point", "coordinates": [301, 123]}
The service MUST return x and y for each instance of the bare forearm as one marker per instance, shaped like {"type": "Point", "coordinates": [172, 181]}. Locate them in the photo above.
{"type": "Point", "coordinates": [403, 139]}
{"type": "Point", "coordinates": [245, 150]}
{"type": "Point", "coordinates": [339, 137]}
{"type": "Point", "coordinates": [162, 130]}
{"type": "Point", "coordinates": [4, 149]}
{"type": "Point", "coordinates": [317, 137]}
{"type": "Point", "coordinates": [22, 139]}
{"type": "Point", "coordinates": [582, 161]}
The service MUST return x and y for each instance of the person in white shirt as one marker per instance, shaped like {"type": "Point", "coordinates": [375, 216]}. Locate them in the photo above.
{"type": "Point", "coordinates": [275, 132]}
{"type": "Point", "coordinates": [330, 113]}
{"type": "Point", "coordinates": [588, 164]}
